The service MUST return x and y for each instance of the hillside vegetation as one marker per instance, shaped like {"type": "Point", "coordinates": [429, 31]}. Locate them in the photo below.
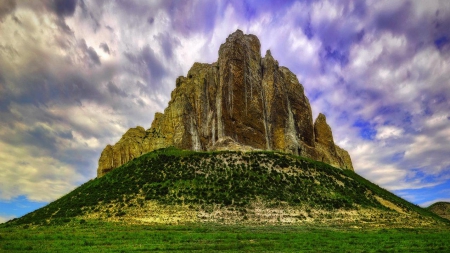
{"type": "Point", "coordinates": [441, 208]}
{"type": "Point", "coordinates": [177, 186]}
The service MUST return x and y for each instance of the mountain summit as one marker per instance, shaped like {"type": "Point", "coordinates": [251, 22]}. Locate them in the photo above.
{"type": "Point", "coordinates": [241, 102]}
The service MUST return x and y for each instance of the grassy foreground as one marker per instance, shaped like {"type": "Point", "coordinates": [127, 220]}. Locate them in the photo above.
{"type": "Point", "coordinates": [94, 236]}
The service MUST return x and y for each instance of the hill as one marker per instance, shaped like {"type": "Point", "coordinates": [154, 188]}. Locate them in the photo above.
{"type": "Point", "coordinates": [441, 208]}
{"type": "Point", "coordinates": [232, 187]}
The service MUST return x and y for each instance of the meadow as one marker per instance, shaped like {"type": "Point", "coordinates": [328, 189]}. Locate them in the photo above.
{"type": "Point", "coordinates": [98, 236]}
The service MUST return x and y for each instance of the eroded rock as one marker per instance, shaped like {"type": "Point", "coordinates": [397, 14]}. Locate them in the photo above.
{"type": "Point", "coordinates": [241, 102]}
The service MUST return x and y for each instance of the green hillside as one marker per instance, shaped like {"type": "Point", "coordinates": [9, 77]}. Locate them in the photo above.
{"type": "Point", "coordinates": [173, 186]}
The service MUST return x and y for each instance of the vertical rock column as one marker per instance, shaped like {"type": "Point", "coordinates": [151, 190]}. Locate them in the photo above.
{"type": "Point", "coordinates": [239, 104]}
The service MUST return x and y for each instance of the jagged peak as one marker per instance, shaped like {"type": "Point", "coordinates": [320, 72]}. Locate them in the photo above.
{"type": "Point", "coordinates": [134, 131]}
{"type": "Point", "coordinates": [322, 130]}
{"type": "Point", "coordinates": [321, 118]}
{"type": "Point", "coordinates": [238, 32]}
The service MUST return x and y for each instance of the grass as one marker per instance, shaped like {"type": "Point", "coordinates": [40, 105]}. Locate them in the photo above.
{"type": "Point", "coordinates": [95, 236]}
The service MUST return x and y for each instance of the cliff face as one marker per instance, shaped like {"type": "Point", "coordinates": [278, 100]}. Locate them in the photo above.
{"type": "Point", "coordinates": [243, 101]}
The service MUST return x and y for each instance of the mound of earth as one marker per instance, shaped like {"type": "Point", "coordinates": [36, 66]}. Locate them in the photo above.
{"type": "Point", "coordinates": [256, 187]}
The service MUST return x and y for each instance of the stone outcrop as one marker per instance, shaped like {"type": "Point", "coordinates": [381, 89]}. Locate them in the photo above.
{"type": "Point", "coordinates": [243, 101]}
{"type": "Point", "coordinates": [327, 151]}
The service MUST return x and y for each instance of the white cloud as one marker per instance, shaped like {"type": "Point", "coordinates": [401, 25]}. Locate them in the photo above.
{"type": "Point", "coordinates": [40, 178]}
{"type": "Point", "coordinates": [5, 218]}
{"type": "Point", "coordinates": [385, 132]}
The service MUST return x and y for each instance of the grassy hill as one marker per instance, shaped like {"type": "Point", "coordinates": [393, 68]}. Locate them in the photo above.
{"type": "Point", "coordinates": [441, 208]}
{"type": "Point", "coordinates": [176, 186]}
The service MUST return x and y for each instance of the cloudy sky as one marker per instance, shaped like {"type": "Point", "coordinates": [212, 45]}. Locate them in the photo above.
{"type": "Point", "coordinates": [75, 75]}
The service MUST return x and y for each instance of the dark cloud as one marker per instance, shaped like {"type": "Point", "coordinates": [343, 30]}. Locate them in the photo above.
{"type": "Point", "coordinates": [61, 23]}
{"type": "Point", "coordinates": [395, 19]}
{"type": "Point", "coordinates": [94, 56]}
{"type": "Point", "coordinates": [337, 38]}
{"type": "Point", "coordinates": [17, 20]}
{"type": "Point", "coordinates": [105, 47]}
{"type": "Point", "coordinates": [149, 66]}
{"type": "Point", "coordinates": [41, 137]}
{"type": "Point", "coordinates": [89, 16]}
{"type": "Point", "coordinates": [305, 24]}
{"type": "Point", "coordinates": [189, 16]}
{"type": "Point", "coordinates": [109, 28]}
{"type": "Point", "coordinates": [133, 7]}
{"type": "Point", "coordinates": [252, 9]}
{"type": "Point", "coordinates": [140, 102]}
{"type": "Point", "coordinates": [6, 7]}
{"type": "Point", "coordinates": [113, 89]}
{"type": "Point", "coordinates": [153, 64]}
{"type": "Point", "coordinates": [360, 9]}
{"type": "Point", "coordinates": [41, 87]}
{"type": "Point", "coordinates": [168, 43]}
{"type": "Point", "coordinates": [143, 89]}
{"type": "Point", "coordinates": [335, 55]}
{"type": "Point", "coordinates": [150, 20]}
{"type": "Point", "coordinates": [441, 42]}
{"type": "Point", "coordinates": [440, 24]}
{"type": "Point", "coordinates": [65, 8]}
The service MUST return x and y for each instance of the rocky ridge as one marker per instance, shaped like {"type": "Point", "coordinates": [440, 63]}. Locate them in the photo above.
{"type": "Point", "coordinates": [241, 102]}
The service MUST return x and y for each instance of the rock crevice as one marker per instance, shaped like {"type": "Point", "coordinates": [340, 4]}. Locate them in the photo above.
{"type": "Point", "coordinates": [243, 101]}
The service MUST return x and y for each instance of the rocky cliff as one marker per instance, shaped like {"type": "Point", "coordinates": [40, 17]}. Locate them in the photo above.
{"type": "Point", "coordinates": [243, 101]}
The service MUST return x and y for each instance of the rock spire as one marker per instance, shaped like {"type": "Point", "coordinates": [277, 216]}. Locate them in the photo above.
{"type": "Point", "coordinates": [243, 101]}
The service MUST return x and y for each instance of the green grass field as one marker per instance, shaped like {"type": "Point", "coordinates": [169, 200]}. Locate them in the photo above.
{"type": "Point", "coordinates": [93, 236]}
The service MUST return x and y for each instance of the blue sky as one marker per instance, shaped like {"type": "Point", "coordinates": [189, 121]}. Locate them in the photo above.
{"type": "Point", "coordinates": [75, 75]}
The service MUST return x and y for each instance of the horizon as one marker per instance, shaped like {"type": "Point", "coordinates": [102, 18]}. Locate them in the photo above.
{"type": "Point", "coordinates": [75, 75]}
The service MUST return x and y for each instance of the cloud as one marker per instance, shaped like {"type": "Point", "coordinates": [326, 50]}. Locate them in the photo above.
{"type": "Point", "coordinates": [40, 178]}
{"type": "Point", "coordinates": [94, 56]}
{"type": "Point", "coordinates": [148, 66]}
{"type": "Point", "coordinates": [5, 218]}
{"type": "Point", "coordinates": [65, 7]}
{"type": "Point", "coordinates": [386, 132]}
{"type": "Point", "coordinates": [90, 55]}
{"type": "Point", "coordinates": [167, 44]}
{"type": "Point", "coordinates": [105, 48]}
{"type": "Point", "coordinates": [113, 89]}
{"type": "Point", "coordinates": [6, 7]}
{"type": "Point", "coordinates": [193, 16]}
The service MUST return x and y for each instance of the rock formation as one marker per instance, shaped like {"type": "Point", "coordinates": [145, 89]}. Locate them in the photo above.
{"type": "Point", "coordinates": [243, 101]}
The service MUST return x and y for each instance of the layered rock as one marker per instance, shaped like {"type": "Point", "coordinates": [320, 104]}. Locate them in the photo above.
{"type": "Point", "coordinates": [243, 101]}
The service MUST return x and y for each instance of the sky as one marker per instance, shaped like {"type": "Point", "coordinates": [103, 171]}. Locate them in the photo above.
{"type": "Point", "coordinates": [75, 75]}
